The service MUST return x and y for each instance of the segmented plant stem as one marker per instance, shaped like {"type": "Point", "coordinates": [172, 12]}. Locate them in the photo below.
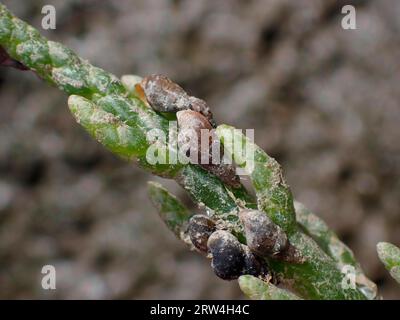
{"type": "Point", "coordinates": [121, 121]}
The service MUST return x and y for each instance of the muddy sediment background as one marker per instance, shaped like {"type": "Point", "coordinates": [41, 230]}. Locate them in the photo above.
{"type": "Point", "coordinates": [325, 102]}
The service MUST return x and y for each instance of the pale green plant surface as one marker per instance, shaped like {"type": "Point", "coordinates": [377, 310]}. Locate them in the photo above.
{"type": "Point", "coordinates": [390, 256]}
{"type": "Point", "coordinates": [258, 289]}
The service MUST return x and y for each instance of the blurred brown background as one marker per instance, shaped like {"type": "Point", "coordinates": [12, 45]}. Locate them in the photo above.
{"type": "Point", "coordinates": [324, 101]}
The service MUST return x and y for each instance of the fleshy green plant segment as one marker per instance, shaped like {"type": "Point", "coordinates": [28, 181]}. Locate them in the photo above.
{"type": "Point", "coordinates": [316, 228]}
{"type": "Point", "coordinates": [174, 214]}
{"type": "Point", "coordinates": [390, 256]}
{"type": "Point", "coordinates": [113, 114]}
{"type": "Point", "coordinates": [258, 289]}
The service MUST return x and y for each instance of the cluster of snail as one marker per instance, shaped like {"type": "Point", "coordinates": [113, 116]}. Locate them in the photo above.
{"type": "Point", "coordinates": [230, 258]}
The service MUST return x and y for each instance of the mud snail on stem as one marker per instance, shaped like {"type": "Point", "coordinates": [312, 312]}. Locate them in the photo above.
{"type": "Point", "coordinates": [230, 258]}
{"type": "Point", "coordinates": [164, 95]}
{"type": "Point", "coordinates": [294, 245]}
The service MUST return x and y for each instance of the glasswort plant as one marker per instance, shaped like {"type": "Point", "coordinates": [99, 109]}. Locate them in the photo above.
{"type": "Point", "coordinates": [264, 240]}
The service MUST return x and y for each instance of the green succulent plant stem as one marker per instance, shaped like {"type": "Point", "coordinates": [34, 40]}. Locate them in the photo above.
{"type": "Point", "coordinates": [174, 214]}
{"type": "Point", "coordinates": [326, 238]}
{"type": "Point", "coordinates": [389, 254]}
{"type": "Point", "coordinates": [120, 121]}
{"type": "Point", "coordinates": [257, 289]}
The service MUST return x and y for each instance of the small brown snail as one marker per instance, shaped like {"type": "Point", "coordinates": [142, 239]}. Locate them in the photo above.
{"type": "Point", "coordinates": [164, 95]}
{"type": "Point", "coordinates": [199, 230]}
{"type": "Point", "coordinates": [191, 124]}
{"type": "Point", "coordinates": [264, 237]}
